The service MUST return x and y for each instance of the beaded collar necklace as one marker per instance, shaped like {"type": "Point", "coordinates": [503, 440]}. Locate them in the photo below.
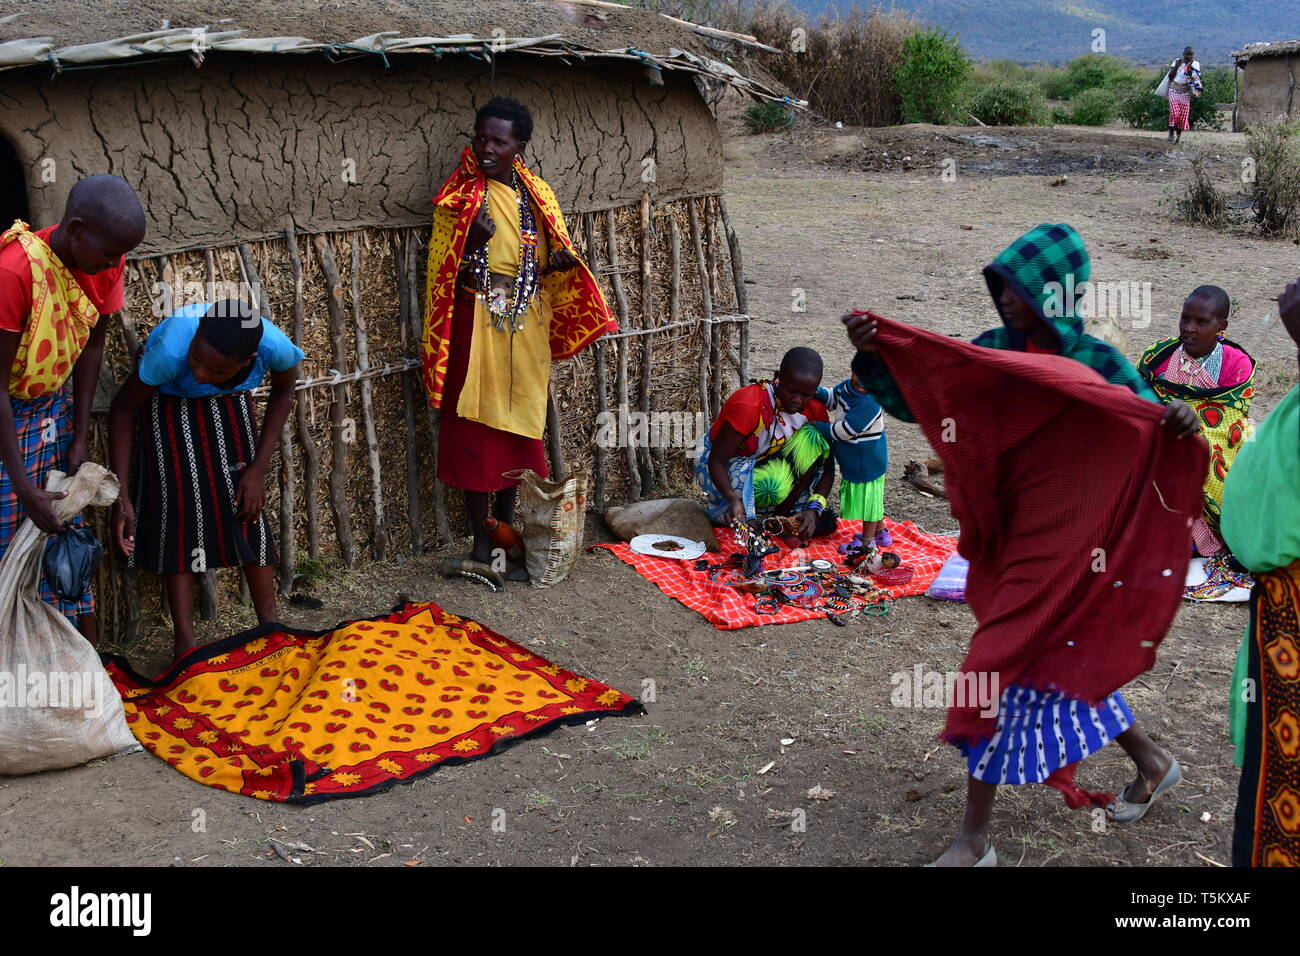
{"type": "Point", "coordinates": [510, 307]}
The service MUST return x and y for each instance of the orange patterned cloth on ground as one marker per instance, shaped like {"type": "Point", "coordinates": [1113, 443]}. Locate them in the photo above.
{"type": "Point", "coordinates": [728, 608]}
{"type": "Point", "coordinates": [302, 717]}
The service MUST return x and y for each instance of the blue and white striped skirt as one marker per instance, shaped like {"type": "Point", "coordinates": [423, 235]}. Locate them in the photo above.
{"type": "Point", "coordinates": [1039, 732]}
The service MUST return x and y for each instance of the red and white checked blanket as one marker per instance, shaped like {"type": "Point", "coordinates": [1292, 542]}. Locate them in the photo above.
{"type": "Point", "coordinates": [728, 608]}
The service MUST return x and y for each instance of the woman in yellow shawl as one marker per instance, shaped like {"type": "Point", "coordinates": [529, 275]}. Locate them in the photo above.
{"type": "Point", "coordinates": [506, 295]}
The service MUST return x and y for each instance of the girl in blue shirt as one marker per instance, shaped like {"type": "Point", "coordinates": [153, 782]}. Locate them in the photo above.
{"type": "Point", "coordinates": [199, 488]}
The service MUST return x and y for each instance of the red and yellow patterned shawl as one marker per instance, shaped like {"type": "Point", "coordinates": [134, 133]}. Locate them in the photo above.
{"type": "Point", "coordinates": [580, 314]}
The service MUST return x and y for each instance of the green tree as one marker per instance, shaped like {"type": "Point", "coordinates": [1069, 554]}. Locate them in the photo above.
{"type": "Point", "coordinates": [931, 78]}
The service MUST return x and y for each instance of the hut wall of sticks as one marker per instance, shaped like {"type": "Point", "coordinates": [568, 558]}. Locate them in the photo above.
{"type": "Point", "coordinates": [298, 172]}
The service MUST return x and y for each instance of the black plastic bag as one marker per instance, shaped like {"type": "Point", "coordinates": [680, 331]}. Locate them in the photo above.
{"type": "Point", "coordinates": [70, 560]}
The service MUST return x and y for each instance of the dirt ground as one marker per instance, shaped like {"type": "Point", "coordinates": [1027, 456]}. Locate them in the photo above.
{"type": "Point", "coordinates": [816, 211]}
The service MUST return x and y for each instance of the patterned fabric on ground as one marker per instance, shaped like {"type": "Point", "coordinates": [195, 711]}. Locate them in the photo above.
{"type": "Point", "coordinates": [727, 609]}
{"type": "Point", "coordinates": [191, 454]}
{"type": "Point", "coordinates": [1051, 616]}
{"type": "Point", "coordinates": [1039, 733]}
{"type": "Point", "coordinates": [950, 585]}
{"type": "Point", "coordinates": [302, 717]}
{"type": "Point", "coordinates": [44, 427]}
{"type": "Point", "coordinates": [1267, 829]}
{"type": "Point", "coordinates": [1214, 579]}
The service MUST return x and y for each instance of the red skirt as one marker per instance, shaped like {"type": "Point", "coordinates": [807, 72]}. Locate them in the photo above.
{"type": "Point", "coordinates": [472, 456]}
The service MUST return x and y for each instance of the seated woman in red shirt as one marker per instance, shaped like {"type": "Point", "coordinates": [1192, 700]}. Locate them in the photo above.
{"type": "Point", "coordinates": [762, 457]}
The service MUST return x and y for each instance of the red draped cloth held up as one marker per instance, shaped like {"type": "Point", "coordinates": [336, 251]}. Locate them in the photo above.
{"type": "Point", "coordinates": [1075, 506]}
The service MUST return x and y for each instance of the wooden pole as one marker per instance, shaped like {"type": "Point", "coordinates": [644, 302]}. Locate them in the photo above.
{"type": "Point", "coordinates": [415, 314]}
{"type": "Point", "coordinates": [310, 455]}
{"type": "Point", "coordinates": [742, 294]}
{"type": "Point", "coordinates": [409, 388]}
{"type": "Point", "coordinates": [598, 357]}
{"type": "Point", "coordinates": [715, 339]}
{"type": "Point", "coordinates": [379, 541]}
{"type": "Point", "coordinates": [554, 436]}
{"type": "Point", "coordinates": [706, 319]}
{"type": "Point", "coordinates": [620, 297]}
{"type": "Point", "coordinates": [338, 478]}
{"type": "Point", "coordinates": [651, 455]}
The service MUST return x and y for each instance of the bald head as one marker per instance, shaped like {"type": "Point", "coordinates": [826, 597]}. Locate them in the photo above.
{"type": "Point", "coordinates": [802, 362]}
{"type": "Point", "coordinates": [102, 222]}
{"type": "Point", "coordinates": [108, 205]}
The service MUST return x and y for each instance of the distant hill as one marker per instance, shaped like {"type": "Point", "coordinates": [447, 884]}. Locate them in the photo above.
{"type": "Point", "coordinates": [1146, 31]}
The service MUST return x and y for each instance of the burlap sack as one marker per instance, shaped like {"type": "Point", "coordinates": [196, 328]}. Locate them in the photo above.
{"type": "Point", "coordinates": [58, 707]}
{"type": "Point", "coordinates": [553, 515]}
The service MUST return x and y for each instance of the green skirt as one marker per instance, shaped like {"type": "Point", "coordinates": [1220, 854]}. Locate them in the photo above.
{"type": "Point", "coordinates": [862, 500]}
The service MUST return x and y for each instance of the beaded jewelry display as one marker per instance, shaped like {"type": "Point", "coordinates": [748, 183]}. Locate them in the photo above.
{"type": "Point", "coordinates": [510, 308]}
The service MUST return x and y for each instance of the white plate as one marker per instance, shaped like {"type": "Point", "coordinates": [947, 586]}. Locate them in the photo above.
{"type": "Point", "coordinates": [645, 544]}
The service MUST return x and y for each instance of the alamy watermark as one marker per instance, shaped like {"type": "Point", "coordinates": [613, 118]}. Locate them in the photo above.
{"type": "Point", "coordinates": [1114, 300]}
{"type": "Point", "coordinates": [70, 690]}
{"type": "Point", "coordinates": [942, 689]}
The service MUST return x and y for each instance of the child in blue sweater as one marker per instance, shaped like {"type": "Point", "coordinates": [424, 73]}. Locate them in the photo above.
{"type": "Point", "coordinates": [857, 437]}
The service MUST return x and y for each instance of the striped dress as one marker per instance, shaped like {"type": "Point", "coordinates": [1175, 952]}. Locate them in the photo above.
{"type": "Point", "coordinates": [1040, 732]}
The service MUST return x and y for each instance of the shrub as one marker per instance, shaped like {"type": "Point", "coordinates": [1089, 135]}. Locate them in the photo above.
{"type": "Point", "coordinates": [1009, 104]}
{"type": "Point", "coordinates": [846, 67]}
{"type": "Point", "coordinates": [1275, 154]}
{"type": "Point", "coordinates": [768, 117]}
{"type": "Point", "coordinates": [1142, 109]}
{"type": "Point", "coordinates": [1053, 81]}
{"type": "Point", "coordinates": [1202, 202]}
{"type": "Point", "coordinates": [1218, 85]}
{"type": "Point", "coordinates": [990, 72]}
{"type": "Point", "coordinates": [1098, 71]}
{"type": "Point", "coordinates": [1093, 107]}
{"type": "Point", "coordinates": [931, 78]}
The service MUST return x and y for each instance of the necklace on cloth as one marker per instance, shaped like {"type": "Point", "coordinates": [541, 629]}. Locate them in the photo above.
{"type": "Point", "coordinates": [509, 307]}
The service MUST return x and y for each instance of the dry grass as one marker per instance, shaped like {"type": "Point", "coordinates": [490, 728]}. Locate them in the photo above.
{"type": "Point", "coordinates": [1202, 201]}
{"type": "Point", "coordinates": [843, 65]}
{"type": "Point", "coordinates": [1275, 153]}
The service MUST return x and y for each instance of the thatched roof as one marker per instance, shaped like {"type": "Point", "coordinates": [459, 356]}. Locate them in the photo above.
{"type": "Point", "coordinates": [59, 34]}
{"type": "Point", "coordinates": [1266, 49]}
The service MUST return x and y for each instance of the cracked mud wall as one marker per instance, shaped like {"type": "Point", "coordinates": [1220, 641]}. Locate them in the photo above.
{"type": "Point", "coordinates": [1268, 91]}
{"type": "Point", "coordinates": [234, 150]}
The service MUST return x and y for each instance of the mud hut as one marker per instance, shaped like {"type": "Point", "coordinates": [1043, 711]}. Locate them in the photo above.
{"type": "Point", "coordinates": [293, 149]}
{"type": "Point", "coordinates": [1267, 83]}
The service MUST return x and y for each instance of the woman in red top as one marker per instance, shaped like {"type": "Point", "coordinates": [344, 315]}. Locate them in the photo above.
{"type": "Point", "coordinates": [54, 286]}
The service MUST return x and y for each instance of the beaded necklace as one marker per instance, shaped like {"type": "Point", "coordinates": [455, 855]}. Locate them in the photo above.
{"type": "Point", "coordinates": [512, 306]}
